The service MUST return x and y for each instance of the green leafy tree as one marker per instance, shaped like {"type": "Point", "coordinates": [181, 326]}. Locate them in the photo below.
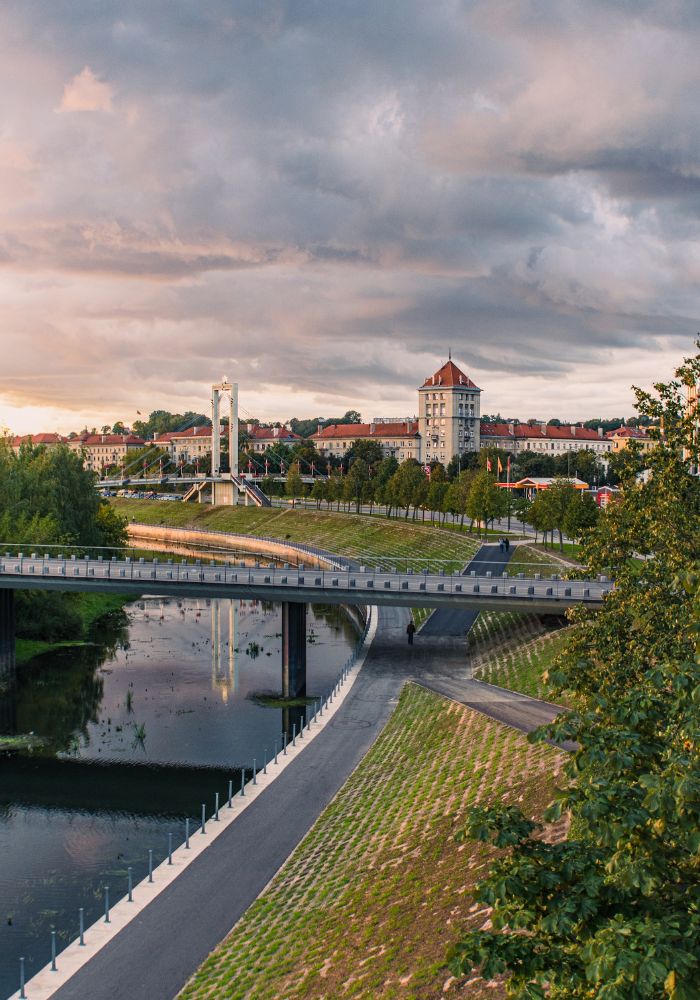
{"type": "Point", "coordinates": [356, 482]}
{"type": "Point", "coordinates": [468, 460]}
{"type": "Point", "coordinates": [319, 491]}
{"type": "Point", "coordinates": [581, 516]}
{"type": "Point", "coordinates": [294, 486]}
{"type": "Point", "coordinates": [407, 485]}
{"type": "Point", "coordinates": [369, 451]}
{"type": "Point", "coordinates": [486, 500]}
{"type": "Point", "coordinates": [613, 912]}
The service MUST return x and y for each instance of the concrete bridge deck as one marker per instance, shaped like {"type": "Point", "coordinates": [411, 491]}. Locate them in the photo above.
{"type": "Point", "coordinates": [299, 584]}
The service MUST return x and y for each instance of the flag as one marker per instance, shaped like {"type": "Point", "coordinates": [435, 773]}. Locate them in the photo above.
{"type": "Point", "coordinates": [500, 467]}
{"type": "Point", "coordinates": [489, 465]}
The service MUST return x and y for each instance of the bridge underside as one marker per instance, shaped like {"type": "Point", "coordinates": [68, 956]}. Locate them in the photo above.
{"type": "Point", "coordinates": [483, 601]}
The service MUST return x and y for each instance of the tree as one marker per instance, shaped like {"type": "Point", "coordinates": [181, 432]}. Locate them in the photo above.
{"type": "Point", "coordinates": [369, 451]}
{"type": "Point", "coordinates": [356, 482]}
{"type": "Point", "coordinates": [459, 463]}
{"type": "Point", "coordinates": [614, 911]}
{"type": "Point", "coordinates": [486, 500]}
{"type": "Point", "coordinates": [294, 486]}
{"type": "Point", "coordinates": [385, 470]}
{"type": "Point", "coordinates": [437, 495]}
{"type": "Point", "coordinates": [406, 484]}
{"type": "Point", "coordinates": [581, 516]}
{"type": "Point", "coordinates": [319, 491]}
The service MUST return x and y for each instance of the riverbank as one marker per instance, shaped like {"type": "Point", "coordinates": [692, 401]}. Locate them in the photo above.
{"type": "Point", "coordinates": [355, 536]}
{"type": "Point", "coordinates": [90, 609]}
{"type": "Point", "coordinates": [376, 893]}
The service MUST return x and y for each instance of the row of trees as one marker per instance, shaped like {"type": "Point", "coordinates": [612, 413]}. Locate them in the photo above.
{"type": "Point", "coordinates": [474, 495]}
{"type": "Point", "coordinates": [613, 911]}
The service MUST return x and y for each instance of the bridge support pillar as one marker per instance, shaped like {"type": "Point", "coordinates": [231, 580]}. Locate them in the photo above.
{"type": "Point", "coordinates": [293, 649]}
{"type": "Point", "coordinates": [7, 635]}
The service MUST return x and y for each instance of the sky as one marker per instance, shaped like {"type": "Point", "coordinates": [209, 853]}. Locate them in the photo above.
{"type": "Point", "coordinates": [320, 199]}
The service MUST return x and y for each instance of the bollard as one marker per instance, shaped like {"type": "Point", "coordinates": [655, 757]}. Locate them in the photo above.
{"type": "Point", "coordinates": [130, 884]}
{"type": "Point", "coordinates": [265, 761]}
{"type": "Point", "coordinates": [53, 951]}
{"type": "Point", "coordinates": [150, 864]}
{"type": "Point", "coordinates": [22, 994]}
{"type": "Point", "coordinates": [204, 819]}
{"type": "Point", "coordinates": [294, 734]}
{"type": "Point", "coordinates": [106, 904]}
{"type": "Point", "coordinates": [81, 936]}
{"type": "Point", "coordinates": [301, 727]}
{"type": "Point", "coordinates": [187, 834]}
{"type": "Point", "coordinates": [275, 751]}
{"type": "Point", "coordinates": [170, 848]}
{"type": "Point", "coordinates": [230, 793]}
{"type": "Point", "coordinates": [255, 771]}
{"type": "Point", "coordinates": [242, 781]}
{"type": "Point", "coordinates": [284, 743]}
{"type": "Point", "coordinates": [216, 806]}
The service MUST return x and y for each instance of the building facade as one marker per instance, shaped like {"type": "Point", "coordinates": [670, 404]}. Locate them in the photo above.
{"type": "Point", "coordinates": [100, 451]}
{"type": "Point", "coordinates": [544, 439]}
{"type": "Point", "coordinates": [186, 446]}
{"type": "Point", "coordinates": [449, 411]}
{"type": "Point", "coordinates": [263, 437]}
{"type": "Point", "coordinates": [37, 441]}
{"type": "Point", "coordinates": [398, 439]}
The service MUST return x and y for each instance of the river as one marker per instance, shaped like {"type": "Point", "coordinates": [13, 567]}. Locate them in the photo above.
{"type": "Point", "coordinates": [137, 731]}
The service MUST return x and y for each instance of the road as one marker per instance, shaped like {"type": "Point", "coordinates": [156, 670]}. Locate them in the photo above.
{"type": "Point", "coordinates": [459, 621]}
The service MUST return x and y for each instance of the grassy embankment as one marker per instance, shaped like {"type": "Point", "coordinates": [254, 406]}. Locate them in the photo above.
{"type": "Point", "coordinates": [368, 540]}
{"type": "Point", "coordinates": [372, 898]}
{"type": "Point", "coordinates": [90, 608]}
{"type": "Point", "coordinates": [513, 651]}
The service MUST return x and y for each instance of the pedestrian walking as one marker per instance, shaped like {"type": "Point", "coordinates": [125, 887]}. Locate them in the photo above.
{"type": "Point", "coordinates": [502, 544]}
{"type": "Point", "coordinates": [507, 543]}
{"type": "Point", "coordinates": [410, 632]}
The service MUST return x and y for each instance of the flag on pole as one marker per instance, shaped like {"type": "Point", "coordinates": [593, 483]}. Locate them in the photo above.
{"type": "Point", "coordinates": [489, 465]}
{"type": "Point", "coordinates": [500, 466]}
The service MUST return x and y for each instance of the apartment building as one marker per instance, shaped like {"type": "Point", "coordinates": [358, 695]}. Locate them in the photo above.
{"type": "Point", "coordinates": [100, 451]}
{"type": "Point", "coordinates": [544, 438]}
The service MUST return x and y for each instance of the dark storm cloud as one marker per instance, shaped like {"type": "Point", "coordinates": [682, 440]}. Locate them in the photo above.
{"type": "Point", "coordinates": [316, 189]}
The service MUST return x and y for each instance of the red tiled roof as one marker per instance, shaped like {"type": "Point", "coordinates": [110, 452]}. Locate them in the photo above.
{"type": "Point", "coordinates": [627, 432]}
{"type": "Point", "coordinates": [190, 432]}
{"type": "Point", "coordinates": [261, 432]}
{"type": "Point", "coordinates": [550, 432]}
{"type": "Point", "coordinates": [37, 439]}
{"type": "Point", "coordinates": [449, 376]}
{"type": "Point", "coordinates": [354, 431]}
{"type": "Point", "coordinates": [91, 439]}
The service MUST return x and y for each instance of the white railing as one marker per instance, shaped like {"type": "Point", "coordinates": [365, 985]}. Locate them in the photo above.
{"type": "Point", "coordinates": [365, 582]}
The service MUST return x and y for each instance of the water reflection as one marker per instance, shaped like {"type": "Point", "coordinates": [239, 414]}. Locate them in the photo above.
{"type": "Point", "coordinates": [96, 796]}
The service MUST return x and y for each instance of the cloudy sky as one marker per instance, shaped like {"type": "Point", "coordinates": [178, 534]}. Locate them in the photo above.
{"type": "Point", "coordinates": [318, 198]}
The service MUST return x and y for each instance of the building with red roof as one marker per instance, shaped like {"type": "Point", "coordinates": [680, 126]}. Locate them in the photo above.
{"type": "Point", "coordinates": [101, 451]}
{"type": "Point", "coordinates": [449, 412]}
{"type": "Point", "coordinates": [263, 437]}
{"type": "Point", "coordinates": [544, 438]}
{"type": "Point", "coordinates": [398, 438]}
{"type": "Point", "coordinates": [37, 441]}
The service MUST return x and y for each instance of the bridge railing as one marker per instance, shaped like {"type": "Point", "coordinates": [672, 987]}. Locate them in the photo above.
{"type": "Point", "coordinates": [364, 582]}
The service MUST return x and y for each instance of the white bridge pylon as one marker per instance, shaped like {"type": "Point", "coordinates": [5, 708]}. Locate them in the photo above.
{"type": "Point", "coordinates": [219, 393]}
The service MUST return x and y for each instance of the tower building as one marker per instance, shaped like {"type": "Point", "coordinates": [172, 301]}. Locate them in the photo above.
{"type": "Point", "coordinates": [448, 414]}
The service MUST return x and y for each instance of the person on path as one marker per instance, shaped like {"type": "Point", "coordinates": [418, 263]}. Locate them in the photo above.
{"type": "Point", "coordinates": [502, 544]}
{"type": "Point", "coordinates": [507, 544]}
{"type": "Point", "coordinates": [410, 632]}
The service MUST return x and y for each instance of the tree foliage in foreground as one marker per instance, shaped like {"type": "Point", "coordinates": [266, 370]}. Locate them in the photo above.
{"type": "Point", "coordinates": [614, 911]}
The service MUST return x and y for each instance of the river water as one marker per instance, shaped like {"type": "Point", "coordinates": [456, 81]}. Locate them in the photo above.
{"type": "Point", "coordinates": [138, 731]}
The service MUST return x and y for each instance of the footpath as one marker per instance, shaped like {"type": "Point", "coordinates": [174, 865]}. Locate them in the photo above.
{"type": "Point", "coordinates": [157, 952]}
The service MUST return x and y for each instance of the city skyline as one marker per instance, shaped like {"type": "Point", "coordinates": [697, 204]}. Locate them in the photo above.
{"type": "Point", "coordinates": [320, 200]}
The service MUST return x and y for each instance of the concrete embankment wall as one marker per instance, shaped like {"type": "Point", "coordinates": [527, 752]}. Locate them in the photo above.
{"type": "Point", "coordinates": [280, 551]}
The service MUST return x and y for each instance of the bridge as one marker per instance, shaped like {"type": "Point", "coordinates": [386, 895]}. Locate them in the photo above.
{"type": "Point", "coordinates": [293, 586]}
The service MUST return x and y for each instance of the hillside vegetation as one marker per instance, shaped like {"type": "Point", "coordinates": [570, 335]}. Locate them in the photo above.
{"type": "Point", "coordinates": [369, 540]}
{"type": "Point", "coordinates": [370, 901]}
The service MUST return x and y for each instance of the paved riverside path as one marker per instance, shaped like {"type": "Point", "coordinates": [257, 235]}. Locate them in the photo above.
{"type": "Point", "coordinates": [153, 957]}
{"type": "Point", "coordinates": [458, 621]}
